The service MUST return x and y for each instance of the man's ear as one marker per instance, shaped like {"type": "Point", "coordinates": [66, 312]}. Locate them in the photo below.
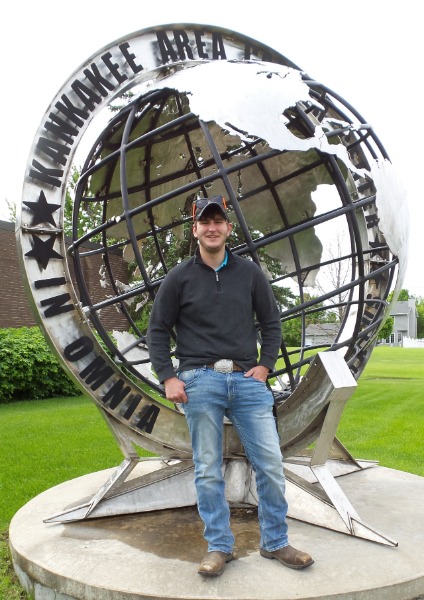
{"type": "Point", "coordinates": [194, 230]}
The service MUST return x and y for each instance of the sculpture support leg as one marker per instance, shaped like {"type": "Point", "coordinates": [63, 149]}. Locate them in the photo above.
{"type": "Point", "coordinates": [316, 498]}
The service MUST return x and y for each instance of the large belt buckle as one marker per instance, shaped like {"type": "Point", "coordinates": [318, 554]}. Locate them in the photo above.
{"type": "Point", "coordinates": [224, 365]}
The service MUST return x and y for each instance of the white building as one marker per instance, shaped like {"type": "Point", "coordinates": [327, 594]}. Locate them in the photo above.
{"type": "Point", "coordinates": [405, 318]}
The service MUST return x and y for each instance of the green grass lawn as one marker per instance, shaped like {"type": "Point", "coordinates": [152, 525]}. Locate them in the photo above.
{"type": "Point", "coordinates": [43, 443]}
{"type": "Point", "coordinates": [46, 442]}
{"type": "Point", "coordinates": [384, 419]}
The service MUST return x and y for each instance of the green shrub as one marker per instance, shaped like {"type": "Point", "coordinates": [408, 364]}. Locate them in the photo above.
{"type": "Point", "coordinates": [29, 369]}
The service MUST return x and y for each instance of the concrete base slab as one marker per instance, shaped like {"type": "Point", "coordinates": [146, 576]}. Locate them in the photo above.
{"type": "Point", "coordinates": [155, 555]}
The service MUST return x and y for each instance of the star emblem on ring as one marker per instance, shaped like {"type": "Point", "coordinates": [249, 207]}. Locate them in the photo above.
{"type": "Point", "coordinates": [43, 251]}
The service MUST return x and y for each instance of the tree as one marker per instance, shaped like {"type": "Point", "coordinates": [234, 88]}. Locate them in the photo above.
{"type": "Point", "coordinates": [387, 329]}
{"type": "Point", "coordinates": [292, 328]}
{"type": "Point", "coordinates": [335, 274]}
{"type": "Point", "coordinates": [403, 296]}
{"type": "Point", "coordinates": [11, 206]}
{"type": "Point", "coordinates": [420, 310]}
{"type": "Point", "coordinates": [90, 213]}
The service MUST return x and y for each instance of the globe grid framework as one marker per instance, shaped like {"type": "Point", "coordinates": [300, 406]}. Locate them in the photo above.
{"type": "Point", "coordinates": [173, 140]}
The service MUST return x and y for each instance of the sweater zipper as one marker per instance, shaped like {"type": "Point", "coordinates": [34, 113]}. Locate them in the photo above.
{"type": "Point", "coordinates": [218, 283]}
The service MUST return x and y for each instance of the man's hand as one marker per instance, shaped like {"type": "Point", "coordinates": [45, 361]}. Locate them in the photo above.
{"type": "Point", "coordinates": [174, 390]}
{"type": "Point", "coordinates": [259, 372]}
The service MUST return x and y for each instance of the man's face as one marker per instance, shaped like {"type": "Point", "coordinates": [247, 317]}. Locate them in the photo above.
{"type": "Point", "coordinates": [212, 231]}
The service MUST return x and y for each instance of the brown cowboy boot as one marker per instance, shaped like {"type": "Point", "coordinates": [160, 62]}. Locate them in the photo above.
{"type": "Point", "coordinates": [289, 557]}
{"type": "Point", "coordinates": [213, 563]}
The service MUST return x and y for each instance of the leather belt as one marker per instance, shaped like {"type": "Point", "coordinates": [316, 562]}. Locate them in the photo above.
{"type": "Point", "coordinates": [225, 365]}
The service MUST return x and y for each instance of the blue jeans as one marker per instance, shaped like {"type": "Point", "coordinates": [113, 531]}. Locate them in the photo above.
{"type": "Point", "coordinates": [248, 404]}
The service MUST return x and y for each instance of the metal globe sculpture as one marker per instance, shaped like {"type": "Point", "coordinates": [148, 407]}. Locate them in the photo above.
{"type": "Point", "coordinates": [269, 143]}
{"type": "Point", "coordinates": [312, 194]}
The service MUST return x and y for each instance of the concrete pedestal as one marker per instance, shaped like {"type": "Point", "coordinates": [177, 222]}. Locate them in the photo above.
{"type": "Point", "coordinates": [155, 555]}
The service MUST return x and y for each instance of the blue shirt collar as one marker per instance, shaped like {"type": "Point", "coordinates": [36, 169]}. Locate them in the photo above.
{"type": "Point", "coordinates": [224, 262]}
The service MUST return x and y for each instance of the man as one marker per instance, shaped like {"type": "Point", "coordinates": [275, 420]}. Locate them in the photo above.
{"type": "Point", "coordinates": [211, 300]}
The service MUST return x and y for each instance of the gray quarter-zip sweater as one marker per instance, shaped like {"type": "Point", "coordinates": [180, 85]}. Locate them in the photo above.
{"type": "Point", "coordinates": [213, 314]}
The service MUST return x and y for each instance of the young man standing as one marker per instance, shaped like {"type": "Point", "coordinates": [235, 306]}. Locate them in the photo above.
{"type": "Point", "coordinates": [211, 300]}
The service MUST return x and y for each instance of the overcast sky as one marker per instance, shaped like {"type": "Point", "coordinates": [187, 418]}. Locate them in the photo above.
{"type": "Point", "coordinates": [368, 51]}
